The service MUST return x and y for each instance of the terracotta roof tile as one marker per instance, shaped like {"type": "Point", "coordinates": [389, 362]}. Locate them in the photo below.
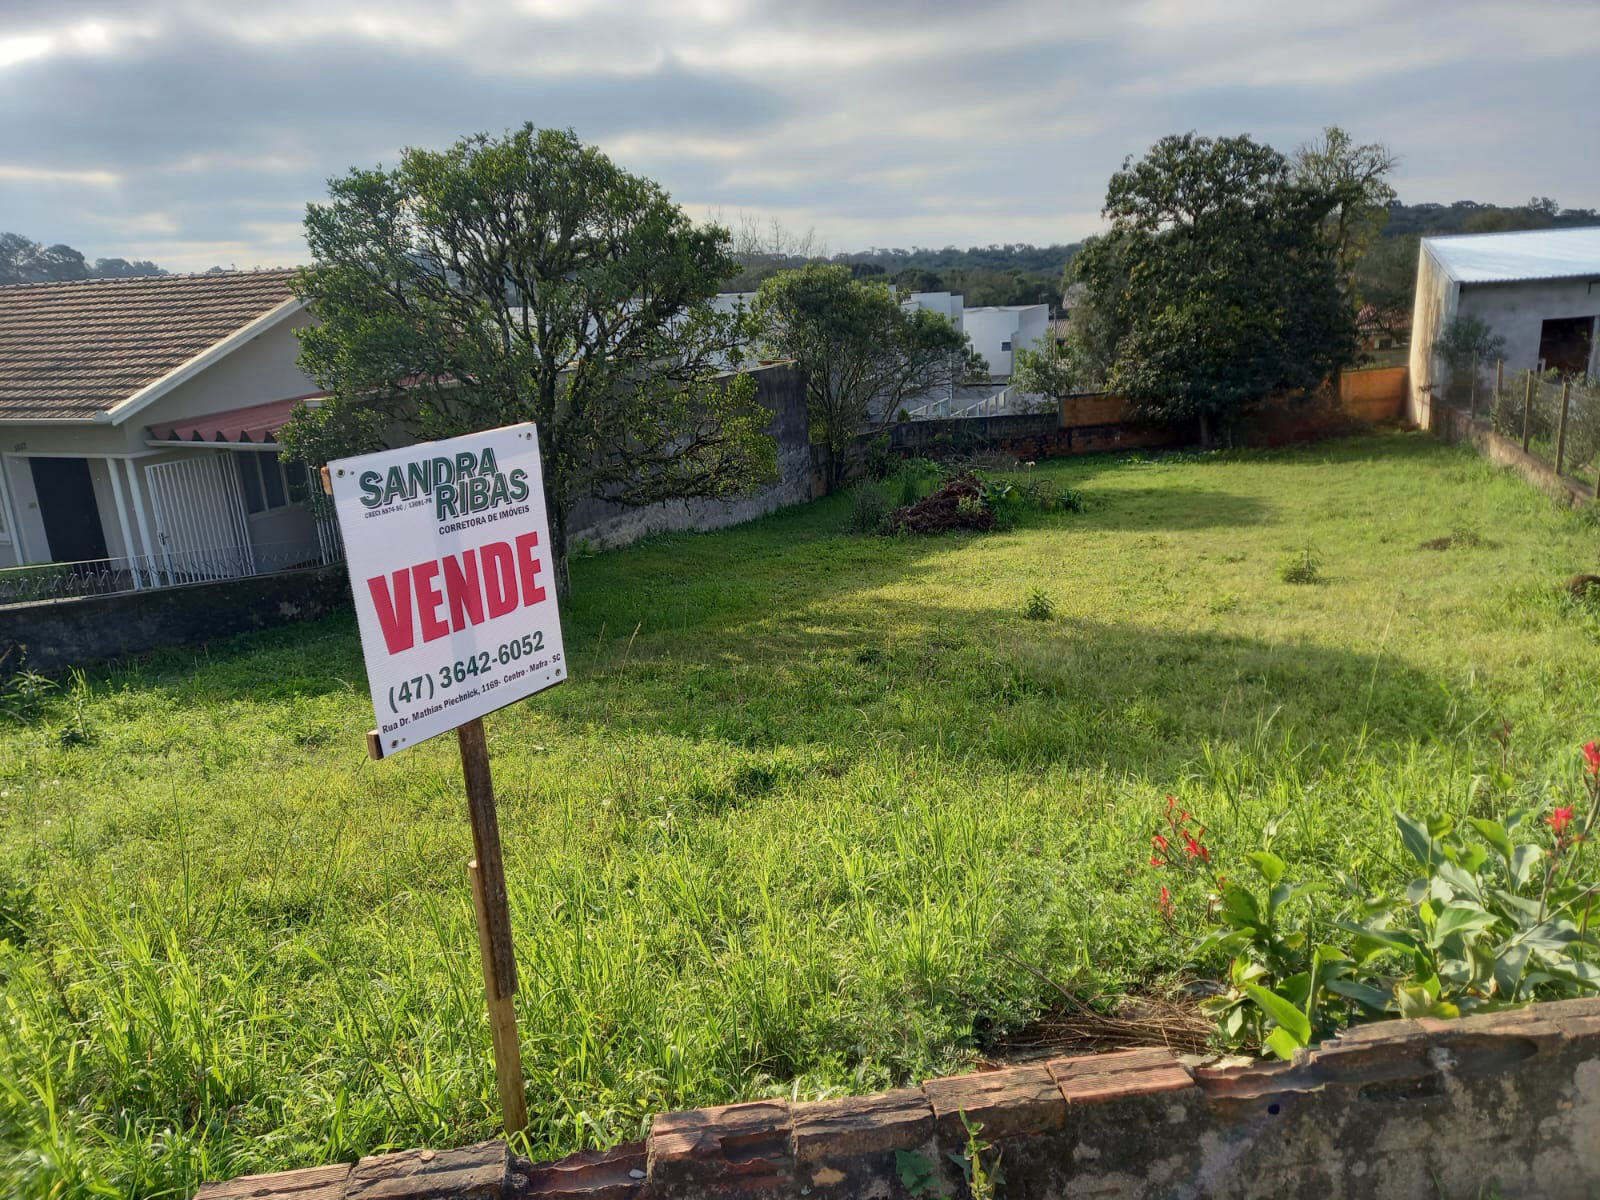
{"type": "Point", "coordinates": [78, 348]}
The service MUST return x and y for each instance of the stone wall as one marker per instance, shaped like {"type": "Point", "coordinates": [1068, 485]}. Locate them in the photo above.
{"type": "Point", "coordinates": [56, 634]}
{"type": "Point", "coordinates": [779, 388]}
{"type": "Point", "coordinates": [1505, 1104]}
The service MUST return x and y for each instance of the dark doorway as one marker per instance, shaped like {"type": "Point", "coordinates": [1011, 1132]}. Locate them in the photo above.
{"type": "Point", "coordinates": [67, 507]}
{"type": "Point", "coordinates": [1564, 344]}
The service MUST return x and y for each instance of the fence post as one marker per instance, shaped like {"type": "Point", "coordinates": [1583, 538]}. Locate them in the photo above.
{"type": "Point", "coordinates": [1527, 409]}
{"type": "Point", "coordinates": [1561, 429]}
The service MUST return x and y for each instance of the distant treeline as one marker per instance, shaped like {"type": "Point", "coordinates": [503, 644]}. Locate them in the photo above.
{"type": "Point", "coordinates": [1016, 273]}
{"type": "Point", "coordinates": [1468, 216]}
{"type": "Point", "coordinates": [23, 260]}
{"type": "Point", "coordinates": [1013, 273]}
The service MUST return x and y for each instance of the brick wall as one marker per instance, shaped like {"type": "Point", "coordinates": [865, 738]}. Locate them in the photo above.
{"type": "Point", "coordinates": [1096, 422]}
{"type": "Point", "coordinates": [1505, 1104]}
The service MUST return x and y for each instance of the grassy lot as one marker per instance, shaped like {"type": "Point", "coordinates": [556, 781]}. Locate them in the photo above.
{"type": "Point", "coordinates": [810, 810]}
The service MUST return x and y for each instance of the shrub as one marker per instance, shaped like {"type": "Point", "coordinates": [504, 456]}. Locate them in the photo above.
{"type": "Point", "coordinates": [1303, 566]}
{"type": "Point", "coordinates": [914, 479]}
{"type": "Point", "coordinates": [878, 458]}
{"type": "Point", "coordinates": [1039, 606]}
{"type": "Point", "coordinates": [22, 695]}
{"type": "Point", "coordinates": [869, 508]}
{"type": "Point", "coordinates": [1499, 913]}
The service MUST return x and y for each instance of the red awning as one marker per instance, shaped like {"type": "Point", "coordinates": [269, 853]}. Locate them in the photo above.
{"type": "Point", "coordinates": [255, 425]}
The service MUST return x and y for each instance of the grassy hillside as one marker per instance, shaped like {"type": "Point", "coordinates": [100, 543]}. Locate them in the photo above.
{"type": "Point", "coordinates": [815, 814]}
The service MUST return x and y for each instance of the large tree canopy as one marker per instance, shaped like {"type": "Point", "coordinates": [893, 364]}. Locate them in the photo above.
{"type": "Point", "coordinates": [527, 277]}
{"type": "Point", "coordinates": [863, 355]}
{"type": "Point", "coordinates": [1218, 281]}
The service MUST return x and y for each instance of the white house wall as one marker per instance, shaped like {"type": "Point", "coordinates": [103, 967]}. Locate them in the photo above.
{"type": "Point", "coordinates": [10, 539]}
{"type": "Point", "coordinates": [259, 372]}
{"type": "Point", "coordinates": [1431, 310]}
{"type": "Point", "coordinates": [1021, 325]}
{"type": "Point", "coordinates": [1517, 311]}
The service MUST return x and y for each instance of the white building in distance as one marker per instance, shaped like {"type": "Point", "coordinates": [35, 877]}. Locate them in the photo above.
{"type": "Point", "coordinates": [997, 331]}
{"type": "Point", "coordinates": [1539, 289]}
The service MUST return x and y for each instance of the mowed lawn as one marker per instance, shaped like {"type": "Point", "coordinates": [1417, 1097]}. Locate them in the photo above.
{"type": "Point", "coordinates": [817, 813]}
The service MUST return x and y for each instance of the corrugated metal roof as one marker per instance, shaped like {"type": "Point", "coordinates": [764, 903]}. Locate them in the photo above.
{"type": "Point", "coordinates": [1509, 257]}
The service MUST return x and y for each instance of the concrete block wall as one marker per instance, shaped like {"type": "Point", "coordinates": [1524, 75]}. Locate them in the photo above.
{"type": "Point", "coordinates": [1505, 1104]}
{"type": "Point", "coordinates": [53, 635]}
{"type": "Point", "coordinates": [780, 388]}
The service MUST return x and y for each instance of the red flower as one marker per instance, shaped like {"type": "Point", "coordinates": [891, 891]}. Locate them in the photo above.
{"type": "Point", "coordinates": [1193, 848]}
{"type": "Point", "coordinates": [1159, 842]}
{"type": "Point", "coordinates": [1560, 817]}
{"type": "Point", "coordinates": [1591, 753]}
{"type": "Point", "coordinates": [1164, 904]}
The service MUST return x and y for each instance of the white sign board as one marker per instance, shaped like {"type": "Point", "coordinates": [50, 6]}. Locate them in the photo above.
{"type": "Point", "coordinates": [448, 546]}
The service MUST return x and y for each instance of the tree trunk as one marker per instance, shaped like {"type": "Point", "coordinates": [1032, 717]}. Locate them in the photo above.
{"type": "Point", "coordinates": [558, 548]}
{"type": "Point", "coordinates": [1205, 432]}
{"type": "Point", "coordinates": [837, 465]}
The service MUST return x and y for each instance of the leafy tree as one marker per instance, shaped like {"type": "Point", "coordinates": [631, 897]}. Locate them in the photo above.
{"type": "Point", "coordinates": [1048, 369]}
{"type": "Point", "coordinates": [527, 277]}
{"type": "Point", "coordinates": [1354, 177]}
{"type": "Point", "coordinates": [1465, 344]}
{"type": "Point", "coordinates": [862, 354]}
{"type": "Point", "coordinates": [1218, 282]}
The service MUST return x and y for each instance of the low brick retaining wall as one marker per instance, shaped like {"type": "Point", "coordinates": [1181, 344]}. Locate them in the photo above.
{"type": "Point", "coordinates": [1505, 1104]}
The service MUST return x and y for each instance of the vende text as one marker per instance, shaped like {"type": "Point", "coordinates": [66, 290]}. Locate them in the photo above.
{"type": "Point", "coordinates": [472, 587]}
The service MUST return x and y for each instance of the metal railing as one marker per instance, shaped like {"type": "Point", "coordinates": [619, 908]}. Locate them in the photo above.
{"type": "Point", "coordinates": [137, 572]}
{"type": "Point", "coordinates": [1007, 402]}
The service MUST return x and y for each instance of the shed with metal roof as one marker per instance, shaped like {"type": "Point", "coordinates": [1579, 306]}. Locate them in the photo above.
{"type": "Point", "coordinates": [1537, 290]}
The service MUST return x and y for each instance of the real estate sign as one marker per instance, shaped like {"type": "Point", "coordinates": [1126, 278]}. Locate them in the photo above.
{"type": "Point", "coordinates": [448, 548]}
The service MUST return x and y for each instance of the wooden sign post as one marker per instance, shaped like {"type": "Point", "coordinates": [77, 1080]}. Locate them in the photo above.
{"type": "Point", "coordinates": [487, 870]}
{"type": "Point", "coordinates": [445, 542]}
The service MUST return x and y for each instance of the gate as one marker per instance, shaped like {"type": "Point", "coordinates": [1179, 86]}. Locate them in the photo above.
{"type": "Point", "coordinates": [200, 519]}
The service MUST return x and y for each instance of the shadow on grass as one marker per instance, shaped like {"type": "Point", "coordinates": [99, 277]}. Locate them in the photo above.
{"type": "Point", "coordinates": [986, 688]}
{"type": "Point", "coordinates": [774, 634]}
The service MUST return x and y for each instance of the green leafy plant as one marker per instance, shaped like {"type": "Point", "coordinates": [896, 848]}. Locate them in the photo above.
{"type": "Point", "coordinates": [869, 509]}
{"type": "Point", "coordinates": [1039, 606]}
{"type": "Point", "coordinates": [919, 1174]}
{"type": "Point", "coordinates": [1302, 566]}
{"type": "Point", "coordinates": [22, 695]}
{"type": "Point", "coordinates": [982, 1179]}
{"type": "Point", "coordinates": [1500, 913]}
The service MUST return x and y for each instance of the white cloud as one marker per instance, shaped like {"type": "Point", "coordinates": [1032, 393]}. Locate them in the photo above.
{"type": "Point", "coordinates": [894, 122]}
{"type": "Point", "coordinates": [18, 173]}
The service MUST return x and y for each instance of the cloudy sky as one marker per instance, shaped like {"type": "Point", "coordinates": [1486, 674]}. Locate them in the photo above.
{"type": "Point", "coordinates": [194, 132]}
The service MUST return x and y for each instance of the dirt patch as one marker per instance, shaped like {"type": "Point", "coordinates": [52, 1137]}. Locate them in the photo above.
{"type": "Point", "coordinates": [957, 505]}
{"type": "Point", "coordinates": [1461, 537]}
{"type": "Point", "coordinates": [1582, 586]}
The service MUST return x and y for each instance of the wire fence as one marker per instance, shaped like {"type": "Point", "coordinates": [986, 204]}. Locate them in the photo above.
{"type": "Point", "coordinates": [1554, 417]}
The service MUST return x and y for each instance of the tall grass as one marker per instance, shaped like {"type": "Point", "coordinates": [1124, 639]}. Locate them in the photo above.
{"type": "Point", "coordinates": [815, 815]}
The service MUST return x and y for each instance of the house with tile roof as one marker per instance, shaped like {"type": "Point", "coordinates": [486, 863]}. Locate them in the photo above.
{"type": "Point", "coordinates": [138, 421]}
